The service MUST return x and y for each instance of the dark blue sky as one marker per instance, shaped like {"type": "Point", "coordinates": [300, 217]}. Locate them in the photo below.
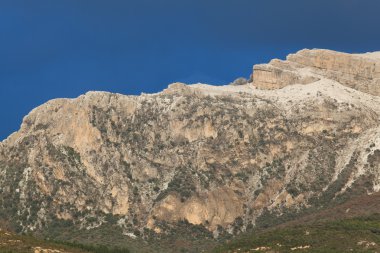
{"type": "Point", "coordinates": [63, 48]}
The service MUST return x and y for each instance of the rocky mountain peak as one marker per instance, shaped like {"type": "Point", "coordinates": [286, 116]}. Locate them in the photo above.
{"type": "Point", "coordinates": [357, 71]}
{"type": "Point", "coordinates": [304, 135]}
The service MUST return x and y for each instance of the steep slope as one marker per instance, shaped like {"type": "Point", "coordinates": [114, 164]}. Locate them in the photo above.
{"type": "Point", "coordinates": [224, 158]}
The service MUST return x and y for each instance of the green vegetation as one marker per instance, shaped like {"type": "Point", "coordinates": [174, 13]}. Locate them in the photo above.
{"type": "Point", "coordinates": [95, 249]}
{"type": "Point", "coordinates": [10, 243]}
{"type": "Point", "coordinates": [181, 184]}
{"type": "Point", "coordinates": [350, 235]}
{"type": "Point", "coordinates": [73, 156]}
{"type": "Point", "coordinates": [180, 237]}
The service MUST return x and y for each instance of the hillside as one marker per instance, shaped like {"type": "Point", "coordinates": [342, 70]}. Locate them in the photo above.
{"type": "Point", "coordinates": [348, 235]}
{"type": "Point", "coordinates": [10, 243]}
{"type": "Point", "coordinates": [214, 160]}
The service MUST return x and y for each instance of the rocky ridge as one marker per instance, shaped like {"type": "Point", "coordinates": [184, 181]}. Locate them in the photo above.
{"type": "Point", "coordinates": [304, 134]}
{"type": "Point", "coordinates": [360, 71]}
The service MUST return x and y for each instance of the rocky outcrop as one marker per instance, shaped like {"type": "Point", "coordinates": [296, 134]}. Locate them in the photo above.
{"type": "Point", "coordinates": [218, 157]}
{"type": "Point", "coordinates": [361, 71]}
{"type": "Point", "coordinates": [278, 74]}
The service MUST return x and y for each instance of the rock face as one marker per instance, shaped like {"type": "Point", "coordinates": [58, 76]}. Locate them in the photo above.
{"type": "Point", "coordinates": [361, 72]}
{"type": "Point", "coordinates": [219, 157]}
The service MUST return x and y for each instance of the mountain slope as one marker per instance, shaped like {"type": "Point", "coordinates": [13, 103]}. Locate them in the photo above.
{"type": "Point", "coordinates": [347, 235]}
{"type": "Point", "coordinates": [219, 158]}
{"type": "Point", "coordinates": [26, 244]}
{"type": "Point", "coordinates": [351, 226]}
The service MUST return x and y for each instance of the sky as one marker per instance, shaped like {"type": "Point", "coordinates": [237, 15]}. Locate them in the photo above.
{"type": "Point", "coordinates": [64, 48]}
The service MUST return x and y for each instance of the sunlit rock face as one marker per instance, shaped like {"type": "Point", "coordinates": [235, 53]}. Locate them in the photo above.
{"type": "Point", "coordinates": [304, 133]}
{"type": "Point", "coordinates": [360, 71]}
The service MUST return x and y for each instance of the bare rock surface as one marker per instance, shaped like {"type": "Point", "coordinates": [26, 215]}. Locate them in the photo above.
{"type": "Point", "coordinates": [358, 71]}
{"type": "Point", "coordinates": [304, 134]}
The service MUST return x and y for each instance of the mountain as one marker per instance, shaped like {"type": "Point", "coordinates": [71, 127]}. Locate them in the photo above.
{"type": "Point", "coordinates": [303, 136]}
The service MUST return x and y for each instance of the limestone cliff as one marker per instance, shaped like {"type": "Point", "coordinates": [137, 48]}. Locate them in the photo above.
{"type": "Point", "coordinates": [219, 157]}
{"type": "Point", "coordinates": [360, 71]}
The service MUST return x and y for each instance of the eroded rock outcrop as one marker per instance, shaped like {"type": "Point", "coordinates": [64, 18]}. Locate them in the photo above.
{"type": "Point", "coordinates": [360, 71]}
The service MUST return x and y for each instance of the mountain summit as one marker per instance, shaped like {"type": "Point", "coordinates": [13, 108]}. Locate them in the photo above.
{"type": "Point", "coordinates": [302, 136]}
{"type": "Point", "coordinates": [357, 71]}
